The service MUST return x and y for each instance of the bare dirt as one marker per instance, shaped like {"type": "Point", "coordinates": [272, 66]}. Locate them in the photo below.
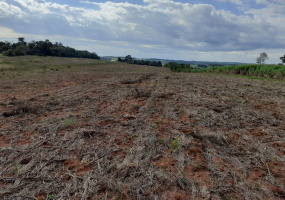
{"type": "Point", "coordinates": [137, 132]}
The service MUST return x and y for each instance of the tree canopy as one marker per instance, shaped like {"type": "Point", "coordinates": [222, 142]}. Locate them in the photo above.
{"type": "Point", "coordinates": [42, 48]}
{"type": "Point", "coordinates": [176, 67]}
{"type": "Point", "coordinates": [128, 59]}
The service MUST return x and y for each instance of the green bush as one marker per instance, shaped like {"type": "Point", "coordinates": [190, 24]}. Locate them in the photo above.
{"type": "Point", "coordinates": [21, 50]}
{"type": "Point", "coordinates": [176, 67]}
{"type": "Point", "coordinates": [9, 52]}
{"type": "Point", "coordinates": [174, 145]}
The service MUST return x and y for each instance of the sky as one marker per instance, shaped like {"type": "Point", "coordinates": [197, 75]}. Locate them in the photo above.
{"type": "Point", "coordinates": [201, 30]}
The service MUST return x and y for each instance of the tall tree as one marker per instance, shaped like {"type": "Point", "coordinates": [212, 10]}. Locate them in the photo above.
{"type": "Point", "coordinates": [21, 41]}
{"type": "Point", "coordinates": [129, 59]}
{"type": "Point", "coordinates": [261, 59]}
{"type": "Point", "coordinates": [282, 59]}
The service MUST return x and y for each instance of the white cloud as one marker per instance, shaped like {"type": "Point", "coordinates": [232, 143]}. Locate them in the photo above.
{"type": "Point", "coordinates": [7, 10]}
{"type": "Point", "coordinates": [237, 2]}
{"type": "Point", "coordinates": [8, 33]}
{"type": "Point", "coordinates": [261, 1]}
{"type": "Point", "coordinates": [33, 6]}
{"type": "Point", "coordinates": [40, 6]}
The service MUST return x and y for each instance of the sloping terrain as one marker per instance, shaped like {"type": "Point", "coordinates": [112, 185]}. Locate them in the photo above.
{"type": "Point", "coordinates": [137, 132]}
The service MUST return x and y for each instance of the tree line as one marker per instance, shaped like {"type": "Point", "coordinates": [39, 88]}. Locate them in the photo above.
{"type": "Point", "coordinates": [176, 67]}
{"type": "Point", "coordinates": [42, 48]}
{"type": "Point", "coordinates": [128, 59]}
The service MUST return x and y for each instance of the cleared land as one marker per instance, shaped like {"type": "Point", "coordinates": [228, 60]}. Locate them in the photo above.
{"type": "Point", "coordinates": [92, 130]}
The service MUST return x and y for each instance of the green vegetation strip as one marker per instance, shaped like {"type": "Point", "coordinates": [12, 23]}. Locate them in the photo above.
{"type": "Point", "coordinates": [251, 71]}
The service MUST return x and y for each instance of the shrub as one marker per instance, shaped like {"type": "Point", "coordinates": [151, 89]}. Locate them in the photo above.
{"type": "Point", "coordinates": [21, 50]}
{"type": "Point", "coordinates": [174, 145]}
{"type": "Point", "coordinates": [176, 67]}
{"type": "Point", "coordinates": [9, 52]}
{"type": "Point", "coordinates": [69, 122]}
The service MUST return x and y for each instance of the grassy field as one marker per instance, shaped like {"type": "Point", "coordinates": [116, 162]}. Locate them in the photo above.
{"type": "Point", "coordinates": [11, 67]}
{"type": "Point", "coordinates": [266, 71]}
{"type": "Point", "coordinates": [98, 130]}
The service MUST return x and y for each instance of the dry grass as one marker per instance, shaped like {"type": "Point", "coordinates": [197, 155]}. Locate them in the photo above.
{"type": "Point", "coordinates": [11, 67]}
{"type": "Point", "coordinates": [136, 132]}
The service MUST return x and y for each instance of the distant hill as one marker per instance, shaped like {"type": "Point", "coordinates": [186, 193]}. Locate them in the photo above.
{"type": "Point", "coordinates": [202, 64]}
